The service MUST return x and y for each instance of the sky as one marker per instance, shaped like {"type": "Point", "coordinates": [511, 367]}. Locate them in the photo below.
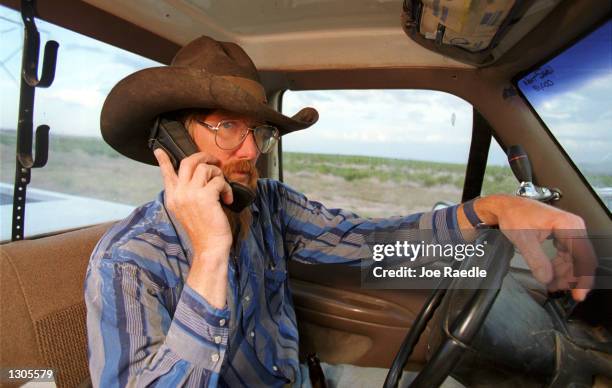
{"type": "Point", "coordinates": [406, 124]}
{"type": "Point", "coordinates": [573, 94]}
{"type": "Point", "coordinates": [86, 71]}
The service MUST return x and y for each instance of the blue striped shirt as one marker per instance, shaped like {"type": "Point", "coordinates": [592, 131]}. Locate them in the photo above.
{"type": "Point", "coordinates": [147, 327]}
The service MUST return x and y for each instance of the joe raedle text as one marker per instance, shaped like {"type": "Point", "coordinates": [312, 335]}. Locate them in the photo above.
{"type": "Point", "coordinates": [422, 272]}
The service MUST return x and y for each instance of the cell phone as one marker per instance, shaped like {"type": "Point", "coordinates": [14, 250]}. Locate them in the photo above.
{"type": "Point", "coordinates": [172, 136]}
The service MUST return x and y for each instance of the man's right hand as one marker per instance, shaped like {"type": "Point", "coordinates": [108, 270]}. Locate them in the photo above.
{"type": "Point", "coordinates": [193, 197]}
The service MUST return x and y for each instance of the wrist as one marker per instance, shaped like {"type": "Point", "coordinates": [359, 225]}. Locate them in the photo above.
{"type": "Point", "coordinates": [208, 264]}
{"type": "Point", "coordinates": [208, 276]}
{"type": "Point", "coordinates": [490, 208]}
{"type": "Point", "coordinates": [216, 255]}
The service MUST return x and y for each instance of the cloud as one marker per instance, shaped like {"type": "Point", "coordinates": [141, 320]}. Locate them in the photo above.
{"type": "Point", "coordinates": [132, 61]}
{"type": "Point", "coordinates": [389, 116]}
{"type": "Point", "coordinates": [86, 97]}
{"type": "Point", "coordinates": [578, 115]}
{"type": "Point", "coordinates": [90, 48]}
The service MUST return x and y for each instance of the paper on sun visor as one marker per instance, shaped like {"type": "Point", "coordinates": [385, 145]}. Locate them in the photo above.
{"type": "Point", "coordinates": [470, 24]}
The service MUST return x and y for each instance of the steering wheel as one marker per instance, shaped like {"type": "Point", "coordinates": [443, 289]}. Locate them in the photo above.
{"type": "Point", "coordinates": [460, 332]}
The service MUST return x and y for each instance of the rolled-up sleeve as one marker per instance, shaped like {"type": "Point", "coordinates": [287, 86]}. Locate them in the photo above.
{"type": "Point", "coordinates": [133, 338]}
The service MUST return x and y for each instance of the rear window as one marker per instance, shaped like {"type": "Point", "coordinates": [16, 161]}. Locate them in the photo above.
{"type": "Point", "coordinates": [572, 94]}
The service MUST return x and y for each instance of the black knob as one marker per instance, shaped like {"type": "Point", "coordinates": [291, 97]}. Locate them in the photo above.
{"type": "Point", "coordinates": [520, 164]}
{"type": "Point", "coordinates": [317, 378]}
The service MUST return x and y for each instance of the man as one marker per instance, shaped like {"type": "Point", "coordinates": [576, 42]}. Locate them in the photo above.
{"type": "Point", "coordinates": [185, 292]}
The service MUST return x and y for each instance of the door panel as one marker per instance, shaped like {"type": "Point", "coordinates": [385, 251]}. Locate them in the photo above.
{"type": "Point", "coordinates": [344, 323]}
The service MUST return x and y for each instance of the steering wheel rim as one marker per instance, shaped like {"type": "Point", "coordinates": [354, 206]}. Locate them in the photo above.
{"type": "Point", "coordinates": [459, 333]}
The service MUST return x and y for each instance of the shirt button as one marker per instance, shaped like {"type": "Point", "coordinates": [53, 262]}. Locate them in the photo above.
{"type": "Point", "coordinates": [217, 339]}
{"type": "Point", "coordinates": [215, 357]}
{"type": "Point", "coordinates": [274, 368]}
{"type": "Point", "coordinates": [247, 298]}
{"type": "Point", "coordinates": [222, 322]}
{"type": "Point", "coordinates": [252, 334]}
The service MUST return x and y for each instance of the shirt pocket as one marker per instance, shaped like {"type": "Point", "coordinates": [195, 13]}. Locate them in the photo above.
{"type": "Point", "coordinates": [275, 280]}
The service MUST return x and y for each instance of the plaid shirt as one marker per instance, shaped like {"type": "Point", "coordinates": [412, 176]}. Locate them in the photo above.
{"type": "Point", "coordinates": [147, 327]}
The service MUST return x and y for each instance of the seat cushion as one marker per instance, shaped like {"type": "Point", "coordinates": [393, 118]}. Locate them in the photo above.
{"type": "Point", "coordinates": [42, 311]}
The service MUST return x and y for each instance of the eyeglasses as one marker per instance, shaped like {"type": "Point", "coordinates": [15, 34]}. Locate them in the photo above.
{"type": "Point", "coordinates": [230, 134]}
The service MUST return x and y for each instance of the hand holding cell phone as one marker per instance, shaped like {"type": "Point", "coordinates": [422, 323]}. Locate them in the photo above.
{"type": "Point", "coordinates": [173, 137]}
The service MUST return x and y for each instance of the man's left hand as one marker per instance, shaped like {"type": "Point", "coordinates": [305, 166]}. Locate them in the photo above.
{"type": "Point", "coordinates": [527, 223]}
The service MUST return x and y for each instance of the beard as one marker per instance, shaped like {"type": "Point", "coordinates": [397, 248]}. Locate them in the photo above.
{"type": "Point", "coordinates": [241, 222]}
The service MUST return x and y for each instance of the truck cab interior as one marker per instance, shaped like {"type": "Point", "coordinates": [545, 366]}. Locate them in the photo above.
{"type": "Point", "coordinates": [304, 49]}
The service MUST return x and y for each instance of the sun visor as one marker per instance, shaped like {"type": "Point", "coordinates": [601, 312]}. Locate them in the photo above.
{"type": "Point", "coordinates": [476, 32]}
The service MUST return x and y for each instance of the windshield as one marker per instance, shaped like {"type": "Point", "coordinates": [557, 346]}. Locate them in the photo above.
{"type": "Point", "coordinates": [572, 93]}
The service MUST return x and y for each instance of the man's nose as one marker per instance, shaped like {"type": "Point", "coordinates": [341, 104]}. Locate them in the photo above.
{"type": "Point", "coordinates": [248, 149]}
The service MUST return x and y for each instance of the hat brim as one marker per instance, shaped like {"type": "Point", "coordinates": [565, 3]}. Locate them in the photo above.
{"type": "Point", "coordinates": [132, 105]}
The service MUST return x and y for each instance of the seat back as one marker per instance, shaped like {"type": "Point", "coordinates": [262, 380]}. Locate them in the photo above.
{"type": "Point", "coordinates": [42, 310]}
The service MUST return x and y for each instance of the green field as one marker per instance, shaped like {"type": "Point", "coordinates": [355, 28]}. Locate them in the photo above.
{"type": "Point", "coordinates": [370, 186]}
{"type": "Point", "coordinates": [421, 173]}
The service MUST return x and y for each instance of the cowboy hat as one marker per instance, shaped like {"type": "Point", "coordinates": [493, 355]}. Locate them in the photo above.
{"type": "Point", "coordinates": [204, 74]}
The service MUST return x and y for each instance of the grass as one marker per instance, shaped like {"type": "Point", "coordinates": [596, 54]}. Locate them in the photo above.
{"type": "Point", "coordinates": [352, 168]}
{"type": "Point", "coordinates": [86, 167]}
{"type": "Point", "coordinates": [418, 173]}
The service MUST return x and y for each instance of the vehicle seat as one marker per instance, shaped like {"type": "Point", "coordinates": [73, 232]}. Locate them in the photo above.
{"type": "Point", "coordinates": [42, 310]}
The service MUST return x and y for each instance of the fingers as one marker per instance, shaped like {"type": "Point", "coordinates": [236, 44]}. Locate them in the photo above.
{"type": "Point", "coordinates": [204, 173]}
{"type": "Point", "coordinates": [580, 248]}
{"type": "Point", "coordinates": [189, 164]}
{"type": "Point", "coordinates": [195, 171]}
{"type": "Point", "coordinates": [584, 285]}
{"type": "Point", "coordinates": [584, 261]}
{"type": "Point", "coordinates": [167, 170]}
{"type": "Point", "coordinates": [563, 272]}
{"type": "Point", "coordinates": [223, 188]}
{"type": "Point", "coordinates": [529, 246]}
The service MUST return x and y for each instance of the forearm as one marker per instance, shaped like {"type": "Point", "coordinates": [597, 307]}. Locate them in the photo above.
{"type": "Point", "coordinates": [316, 234]}
{"type": "Point", "coordinates": [208, 276]}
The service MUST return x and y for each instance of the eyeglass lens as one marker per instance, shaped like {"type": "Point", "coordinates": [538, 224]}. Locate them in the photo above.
{"type": "Point", "coordinates": [231, 133]}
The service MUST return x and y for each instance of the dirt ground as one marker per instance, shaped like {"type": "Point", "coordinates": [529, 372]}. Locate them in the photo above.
{"type": "Point", "coordinates": [369, 197]}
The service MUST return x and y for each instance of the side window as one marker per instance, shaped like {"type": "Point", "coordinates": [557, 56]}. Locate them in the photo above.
{"type": "Point", "coordinates": [85, 181]}
{"type": "Point", "coordinates": [498, 178]}
{"type": "Point", "coordinates": [379, 153]}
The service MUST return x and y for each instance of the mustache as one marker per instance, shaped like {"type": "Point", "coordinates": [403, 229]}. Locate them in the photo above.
{"type": "Point", "coordinates": [240, 166]}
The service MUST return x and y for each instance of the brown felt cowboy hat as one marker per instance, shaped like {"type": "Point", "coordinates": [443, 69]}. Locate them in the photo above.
{"type": "Point", "coordinates": [203, 74]}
